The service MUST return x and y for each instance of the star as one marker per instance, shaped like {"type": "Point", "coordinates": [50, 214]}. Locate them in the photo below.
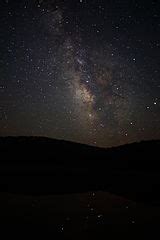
{"type": "Point", "coordinates": [70, 74]}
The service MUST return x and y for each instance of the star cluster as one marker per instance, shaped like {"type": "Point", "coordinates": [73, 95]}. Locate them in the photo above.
{"type": "Point", "coordinates": [86, 71]}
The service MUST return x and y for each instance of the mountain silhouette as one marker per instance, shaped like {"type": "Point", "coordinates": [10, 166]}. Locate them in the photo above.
{"type": "Point", "coordinates": [41, 166]}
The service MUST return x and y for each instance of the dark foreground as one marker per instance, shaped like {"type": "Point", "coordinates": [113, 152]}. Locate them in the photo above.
{"type": "Point", "coordinates": [93, 215]}
{"type": "Point", "coordinates": [62, 190]}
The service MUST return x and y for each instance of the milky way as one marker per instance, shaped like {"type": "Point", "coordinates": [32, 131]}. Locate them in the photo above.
{"type": "Point", "coordinates": [83, 71]}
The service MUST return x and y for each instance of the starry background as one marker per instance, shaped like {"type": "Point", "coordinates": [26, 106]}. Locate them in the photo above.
{"type": "Point", "coordinates": [85, 71]}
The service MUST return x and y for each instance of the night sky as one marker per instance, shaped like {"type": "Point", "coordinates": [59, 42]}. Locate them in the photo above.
{"type": "Point", "coordinates": [86, 71]}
